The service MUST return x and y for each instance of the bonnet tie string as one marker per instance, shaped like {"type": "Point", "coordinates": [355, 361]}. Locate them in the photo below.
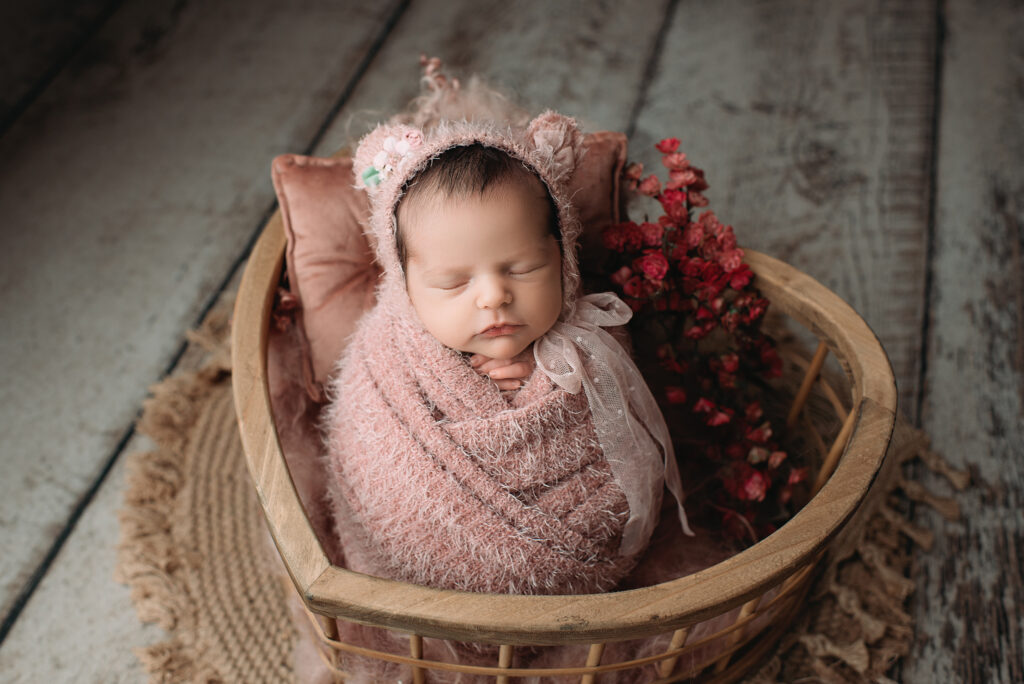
{"type": "Point", "coordinates": [579, 354]}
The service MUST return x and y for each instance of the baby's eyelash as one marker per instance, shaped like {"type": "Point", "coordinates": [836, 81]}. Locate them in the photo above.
{"type": "Point", "coordinates": [526, 269]}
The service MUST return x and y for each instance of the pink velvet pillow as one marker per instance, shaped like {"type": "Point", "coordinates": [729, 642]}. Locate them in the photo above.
{"type": "Point", "coordinates": [596, 188]}
{"type": "Point", "coordinates": [330, 262]}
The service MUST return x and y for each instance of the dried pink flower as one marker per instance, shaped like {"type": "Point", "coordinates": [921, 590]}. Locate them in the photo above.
{"type": "Point", "coordinates": [649, 186]}
{"type": "Point", "coordinates": [668, 145]}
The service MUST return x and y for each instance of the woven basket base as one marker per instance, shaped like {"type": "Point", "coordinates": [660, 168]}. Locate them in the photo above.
{"type": "Point", "coordinates": [194, 551]}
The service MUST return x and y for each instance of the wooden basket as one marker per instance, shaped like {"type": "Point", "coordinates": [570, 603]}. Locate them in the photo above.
{"type": "Point", "coordinates": [782, 565]}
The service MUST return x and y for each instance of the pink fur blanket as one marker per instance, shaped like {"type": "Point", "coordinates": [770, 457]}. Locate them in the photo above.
{"type": "Point", "coordinates": [440, 479]}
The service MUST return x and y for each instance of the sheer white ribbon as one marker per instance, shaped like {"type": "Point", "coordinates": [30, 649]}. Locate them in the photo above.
{"type": "Point", "coordinates": [633, 435]}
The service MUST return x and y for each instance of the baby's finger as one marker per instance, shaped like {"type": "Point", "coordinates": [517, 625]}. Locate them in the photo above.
{"type": "Point", "coordinates": [492, 364]}
{"type": "Point", "coordinates": [508, 384]}
{"type": "Point", "coordinates": [476, 360]}
{"type": "Point", "coordinates": [512, 370]}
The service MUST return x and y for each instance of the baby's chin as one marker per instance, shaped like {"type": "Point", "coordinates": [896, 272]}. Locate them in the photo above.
{"type": "Point", "coordinates": [505, 347]}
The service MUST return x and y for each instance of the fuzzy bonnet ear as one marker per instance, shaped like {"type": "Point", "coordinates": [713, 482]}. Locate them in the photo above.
{"type": "Point", "coordinates": [382, 152]}
{"type": "Point", "coordinates": [557, 145]}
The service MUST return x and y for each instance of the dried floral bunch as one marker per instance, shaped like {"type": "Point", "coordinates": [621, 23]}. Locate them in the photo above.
{"type": "Point", "coordinates": [697, 323]}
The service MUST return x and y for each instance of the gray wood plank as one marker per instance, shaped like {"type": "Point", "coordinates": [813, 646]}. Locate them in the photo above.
{"type": "Point", "coordinates": [586, 59]}
{"type": "Point", "coordinates": [36, 40]}
{"type": "Point", "coordinates": [128, 191]}
{"type": "Point", "coordinates": [970, 602]}
{"type": "Point", "coordinates": [813, 122]}
{"type": "Point", "coordinates": [78, 605]}
{"type": "Point", "coordinates": [80, 625]}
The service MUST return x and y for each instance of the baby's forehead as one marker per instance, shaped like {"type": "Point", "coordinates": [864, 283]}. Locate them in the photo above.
{"type": "Point", "coordinates": [426, 202]}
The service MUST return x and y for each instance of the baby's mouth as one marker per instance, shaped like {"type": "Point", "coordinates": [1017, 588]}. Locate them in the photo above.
{"type": "Point", "coordinates": [500, 330]}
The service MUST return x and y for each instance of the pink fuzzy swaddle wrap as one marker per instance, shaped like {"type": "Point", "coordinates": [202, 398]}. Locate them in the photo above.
{"type": "Point", "coordinates": [442, 481]}
{"type": "Point", "coordinates": [439, 478]}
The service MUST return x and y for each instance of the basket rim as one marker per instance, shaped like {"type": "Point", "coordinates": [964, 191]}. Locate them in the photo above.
{"type": "Point", "coordinates": [559, 619]}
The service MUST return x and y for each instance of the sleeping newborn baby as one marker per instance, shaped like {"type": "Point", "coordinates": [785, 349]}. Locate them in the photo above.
{"type": "Point", "coordinates": [485, 432]}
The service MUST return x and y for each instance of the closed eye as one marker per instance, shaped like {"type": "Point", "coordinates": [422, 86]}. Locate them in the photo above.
{"type": "Point", "coordinates": [450, 287]}
{"type": "Point", "coordinates": [524, 270]}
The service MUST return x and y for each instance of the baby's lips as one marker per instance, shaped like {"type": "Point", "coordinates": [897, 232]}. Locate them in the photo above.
{"type": "Point", "coordinates": [503, 324]}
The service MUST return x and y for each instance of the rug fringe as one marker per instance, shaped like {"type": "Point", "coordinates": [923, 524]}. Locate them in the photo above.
{"type": "Point", "coordinates": [867, 574]}
{"type": "Point", "coordinates": [149, 560]}
{"type": "Point", "coordinates": [170, 662]}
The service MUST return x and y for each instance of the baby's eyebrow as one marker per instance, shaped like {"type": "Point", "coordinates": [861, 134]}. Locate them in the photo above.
{"type": "Point", "coordinates": [444, 272]}
{"type": "Point", "coordinates": [531, 253]}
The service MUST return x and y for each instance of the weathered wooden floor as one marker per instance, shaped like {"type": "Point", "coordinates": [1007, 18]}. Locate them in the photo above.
{"type": "Point", "coordinates": [876, 145]}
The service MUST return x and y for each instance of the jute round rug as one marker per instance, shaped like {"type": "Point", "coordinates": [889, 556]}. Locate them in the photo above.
{"type": "Point", "coordinates": [194, 551]}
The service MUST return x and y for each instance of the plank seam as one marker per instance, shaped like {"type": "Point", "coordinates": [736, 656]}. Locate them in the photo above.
{"type": "Point", "coordinates": [357, 77]}
{"type": "Point", "coordinates": [929, 258]}
{"type": "Point", "coordinates": [651, 68]}
{"type": "Point", "coordinates": [21, 599]}
{"type": "Point", "coordinates": [933, 180]}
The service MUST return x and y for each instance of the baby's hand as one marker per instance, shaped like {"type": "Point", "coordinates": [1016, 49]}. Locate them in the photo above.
{"type": "Point", "coordinates": [508, 374]}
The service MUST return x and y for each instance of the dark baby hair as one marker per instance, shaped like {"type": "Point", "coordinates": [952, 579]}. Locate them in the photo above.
{"type": "Point", "coordinates": [469, 170]}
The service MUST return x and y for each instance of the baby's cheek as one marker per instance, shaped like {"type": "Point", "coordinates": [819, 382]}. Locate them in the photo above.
{"type": "Point", "coordinates": [553, 297]}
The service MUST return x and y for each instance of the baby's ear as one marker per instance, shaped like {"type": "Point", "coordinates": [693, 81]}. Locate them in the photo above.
{"type": "Point", "coordinates": [557, 144]}
{"type": "Point", "coordinates": [382, 151]}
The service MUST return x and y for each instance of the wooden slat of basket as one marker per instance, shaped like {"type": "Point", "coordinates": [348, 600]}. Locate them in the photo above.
{"type": "Point", "coordinates": [564, 619]}
{"type": "Point", "coordinates": [504, 662]}
{"type": "Point", "coordinates": [416, 652]}
{"type": "Point", "coordinates": [829, 464]}
{"type": "Point", "coordinates": [594, 656]}
{"type": "Point", "coordinates": [825, 387]}
{"type": "Point", "coordinates": [678, 640]}
{"type": "Point", "coordinates": [737, 637]}
{"type": "Point", "coordinates": [810, 375]}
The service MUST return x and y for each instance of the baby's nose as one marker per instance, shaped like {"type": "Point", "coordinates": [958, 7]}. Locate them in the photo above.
{"type": "Point", "coordinates": [492, 293]}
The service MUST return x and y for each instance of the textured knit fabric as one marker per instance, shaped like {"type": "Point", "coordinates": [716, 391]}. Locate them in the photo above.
{"type": "Point", "coordinates": [441, 480]}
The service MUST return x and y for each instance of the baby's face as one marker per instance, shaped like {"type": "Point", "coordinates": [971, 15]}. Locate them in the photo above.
{"type": "Point", "coordinates": [483, 272]}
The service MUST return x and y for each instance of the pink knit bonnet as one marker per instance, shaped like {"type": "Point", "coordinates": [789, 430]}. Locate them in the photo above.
{"type": "Point", "coordinates": [576, 353]}
{"type": "Point", "coordinates": [392, 154]}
